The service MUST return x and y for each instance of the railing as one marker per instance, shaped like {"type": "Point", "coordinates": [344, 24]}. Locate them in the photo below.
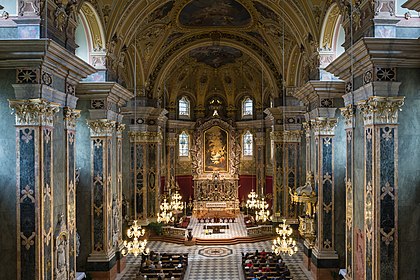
{"type": "Point", "coordinates": [260, 230]}
{"type": "Point", "coordinates": [174, 232]}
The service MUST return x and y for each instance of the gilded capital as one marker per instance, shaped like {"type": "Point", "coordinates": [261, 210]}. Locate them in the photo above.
{"type": "Point", "coordinates": [120, 127]}
{"type": "Point", "coordinates": [381, 110]}
{"type": "Point", "coordinates": [324, 126]}
{"type": "Point", "coordinates": [102, 127]}
{"type": "Point", "coordinates": [145, 137]}
{"type": "Point", "coordinates": [287, 136]}
{"type": "Point", "coordinates": [307, 128]}
{"type": "Point", "coordinates": [70, 117]}
{"type": "Point", "coordinates": [348, 114]}
{"type": "Point", "coordinates": [34, 111]}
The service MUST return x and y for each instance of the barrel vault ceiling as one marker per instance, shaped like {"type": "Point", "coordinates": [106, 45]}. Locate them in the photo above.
{"type": "Point", "coordinates": [199, 47]}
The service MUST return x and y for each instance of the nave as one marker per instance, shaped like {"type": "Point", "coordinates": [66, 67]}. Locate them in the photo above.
{"type": "Point", "coordinates": [226, 264]}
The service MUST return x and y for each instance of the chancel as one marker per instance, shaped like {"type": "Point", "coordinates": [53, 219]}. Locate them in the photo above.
{"type": "Point", "coordinates": [218, 139]}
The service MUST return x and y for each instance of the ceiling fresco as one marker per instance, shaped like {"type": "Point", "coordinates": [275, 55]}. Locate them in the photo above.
{"type": "Point", "coordinates": [204, 13]}
{"type": "Point", "coordinates": [216, 56]}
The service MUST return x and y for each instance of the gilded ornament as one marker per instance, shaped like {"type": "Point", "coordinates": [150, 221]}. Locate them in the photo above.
{"type": "Point", "coordinates": [34, 111]}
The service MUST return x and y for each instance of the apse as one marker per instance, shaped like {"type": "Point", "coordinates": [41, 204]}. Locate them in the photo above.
{"type": "Point", "coordinates": [222, 13]}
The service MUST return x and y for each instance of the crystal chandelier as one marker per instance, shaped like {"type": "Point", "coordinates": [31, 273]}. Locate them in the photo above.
{"type": "Point", "coordinates": [165, 215]}
{"type": "Point", "coordinates": [135, 246]}
{"type": "Point", "coordinates": [252, 201]}
{"type": "Point", "coordinates": [284, 244]}
{"type": "Point", "coordinates": [176, 202]}
{"type": "Point", "coordinates": [262, 214]}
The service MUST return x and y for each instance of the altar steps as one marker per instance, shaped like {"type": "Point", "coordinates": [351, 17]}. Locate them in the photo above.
{"type": "Point", "coordinates": [213, 242]}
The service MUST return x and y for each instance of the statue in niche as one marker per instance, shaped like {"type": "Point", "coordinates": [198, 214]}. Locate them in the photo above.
{"type": "Point", "coordinates": [77, 244]}
{"type": "Point", "coordinates": [61, 252]}
{"type": "Point", "coordinates": [115, 220]}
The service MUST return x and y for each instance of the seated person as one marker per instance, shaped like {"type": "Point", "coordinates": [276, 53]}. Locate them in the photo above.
{"type": "Point", "coordinates": [266, 268]}
{"type": "Point", "coordinates": [161, 274]}
{"type": "Point", "coordinates": [152, 266]}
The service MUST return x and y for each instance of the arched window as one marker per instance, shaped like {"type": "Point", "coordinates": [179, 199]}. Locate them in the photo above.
{"type": "Point", "coordinates": [247, 107]}
{"type": "Point", "coordinates": [247, 144]}
{"type": "Point", "coordinates": [184, 107]}
{"type": "Point", "coordinates": [184, 141]}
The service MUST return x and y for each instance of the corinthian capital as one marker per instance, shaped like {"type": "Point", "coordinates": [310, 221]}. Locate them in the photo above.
{"type": "Point", "coordinates": [324, 126]}
{"type": "Point", "coordinates": [348, 114]}
{"type": "Point", "coordinates": [381, 110]}
{"type": "Point", "coordinates": [120, 127]}
{"type": "Point", "coordinates": [70, 117]}
{"type": "Point", "coordinates": [145, 137]}
{"type": "Point", "coordinates": [34, 111]}
{"type": "Point", "coordinates": [102, 127]}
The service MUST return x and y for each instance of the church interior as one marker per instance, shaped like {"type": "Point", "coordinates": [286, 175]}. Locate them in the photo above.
{"type": "Point", "coordinates": [198, 139]}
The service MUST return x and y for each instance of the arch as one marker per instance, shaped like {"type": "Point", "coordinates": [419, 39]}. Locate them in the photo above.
{"type": "Point", "coordinates": [329, 26]}
{"type": "Point", "coordinates": [90, 29]}
{"type": "Point", "coordinates": [167, 60]}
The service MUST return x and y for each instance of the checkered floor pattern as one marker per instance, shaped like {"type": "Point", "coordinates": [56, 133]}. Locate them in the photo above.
{"type": "Point", "coordinates": [215, 268]}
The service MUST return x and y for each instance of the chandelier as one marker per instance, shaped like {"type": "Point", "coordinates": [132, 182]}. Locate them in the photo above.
{"type": "Point", "coordinates": [252, 201]}
{"type": "Point", "coordinates": [135, 246]}
{"type": "Point", "coordinates": [165, 215]}
{"type": "Point", "coordinates": [262, 214]}
{"type": "Point", "coordinates": [284, 244]}
{"type": "Point", "coordinates": [176, 202]}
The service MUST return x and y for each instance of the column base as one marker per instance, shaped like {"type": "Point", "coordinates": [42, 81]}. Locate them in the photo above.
{"type": "Point", "coordinates": [324, 265]}
{"type": "Point", "coordinates": [307, 254]}
{"type": "Point", "coordinates": [102, 270]}
{"type": "Point", "coordinates": [121, 262]}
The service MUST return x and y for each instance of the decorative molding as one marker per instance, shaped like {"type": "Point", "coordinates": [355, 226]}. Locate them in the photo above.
{"type": "Point", "coordinates": [381, 110]}
{"type": "Point", "coordinates": [34, 111]}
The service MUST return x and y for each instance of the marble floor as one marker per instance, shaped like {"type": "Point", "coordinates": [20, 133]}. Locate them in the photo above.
{"type": "Point", "coordinates": [236, 229]}
{"type": "Point", "coordinates": [215, 262]}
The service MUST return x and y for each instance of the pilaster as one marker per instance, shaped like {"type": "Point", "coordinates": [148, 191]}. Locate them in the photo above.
{"type": "Point", "coordinates": [380, 115]}
{"type": "Point", "coordinates": [70, 117]}
{"type": "Point", "coordinates": [102, 248]}
{"type": "Point", "coordinates": [145, 164]}
{"type": "Point", "coordinates": [34, 183]}
{"type": "Point", "coordinates": [324, 255]}
{"type": "Point", "coordinates": [348, 113]}
{"type": "Point", "coordinates": [117, 200]}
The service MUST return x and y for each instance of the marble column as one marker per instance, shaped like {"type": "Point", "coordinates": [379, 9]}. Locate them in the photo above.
{"type": "Point", "coordinates": [34, 173]}
{"type": "Point", "coordinates": [380, 115]}
{"type": "Point", "coordinates": [145, 165]}
{"type": "Point", "coordinates": [102, 248]}
{"type": "Point", "coordinates": [70, 118]}
{"type": "Point", "coordinates": [117, 200]}
{"type": "Point", "coordinates": [323, 253]}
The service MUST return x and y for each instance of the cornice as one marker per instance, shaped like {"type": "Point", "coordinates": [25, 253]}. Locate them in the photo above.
{"type": "Point", "coordinates": [412, 5]}
{"type": "Point", "coordinates": [46, 53]}
{"type": "Point", "coordinates": [313, 90]}
{"type": "Point", "coordinates": [381, 52]}
{"type": "Point", "coordinates": [112, 91]}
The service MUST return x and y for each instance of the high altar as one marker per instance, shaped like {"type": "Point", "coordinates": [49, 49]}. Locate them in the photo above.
{"type": "Point", "coordinates": [215, 169]}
